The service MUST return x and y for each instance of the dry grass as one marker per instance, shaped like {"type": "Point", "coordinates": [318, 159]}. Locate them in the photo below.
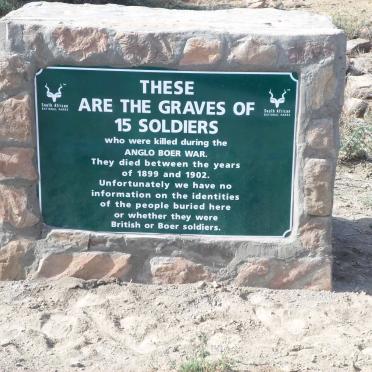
{"type": "Point", "coordinates": [351, 23]}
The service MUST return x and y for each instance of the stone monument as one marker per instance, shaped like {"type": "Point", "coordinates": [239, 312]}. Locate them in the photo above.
{"type": "Point", "coordinates": [169, 146]}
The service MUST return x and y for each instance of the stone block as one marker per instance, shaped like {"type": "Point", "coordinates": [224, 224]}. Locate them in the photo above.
{"type": "Point", "coordinates": [16, 119]}
{"type": "Point", "coordinates": [318, 184]}
{"type": "Point", "coordinates": [359, 86]}
{"type": "Point", "coordinates": [14, 72]}
{"type": "Point", "coordinates": [17, 162]}
{"type": "Point", "coordinates": [358, 46]}
{"type": "Point", "coordinates": [250, 273]}
{"type": "Point", "coordinates": [316, 234]}
{"type": "Point", "coordinates": [308, 273]}
{"type": "Point", "coordinates": [64, 239]}
{"type": "Point", "coordinates": [360, 65]}
{"type": "Point", "coordinates": [320, 135]}
{"type": "Point", "coordinates": [311, 273]}
{"type": "Point", "coordinates": [86, 265]}
{"type": "Point", "coordinates": [322, 87]}
{"type": "Point", "coordinates": [81, 43]}
{"type": "Point", "coordinates": [355, 106]}
{"type": "Point", "coordinates": [177, 270]}
{"type": "Point", "coordinates": [252, 51]}
{"type": "Point", "coordinates": [14, 208]}
{"type": "Point", "coordinates": [142, 49]}
{"type": "Point", "coordinates": [12, 259]}
{"type": "Point", "coordinates": [300, 52]}
{"type": "Point", "coordinates": [201, 51]}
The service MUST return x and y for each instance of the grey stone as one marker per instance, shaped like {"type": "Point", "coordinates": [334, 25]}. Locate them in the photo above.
{"type": "Point", "coordinates": [361, 65]}
{"type": "Point", "coordinates": [358, 46]}
{"type": "Point", "coordinates": [322, 88]}
{"type": "Point", "coordinates": [359, 86]}
{"type": "Point", "coordinates": [355, 106]}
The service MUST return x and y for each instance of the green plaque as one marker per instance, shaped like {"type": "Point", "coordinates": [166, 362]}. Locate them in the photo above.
{"type": "Point", "coordinates": [168, 152]}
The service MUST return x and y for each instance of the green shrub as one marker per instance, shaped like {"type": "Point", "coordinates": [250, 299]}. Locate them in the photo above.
{"type": "Point", "coordinates": [356, 138]}
{"type": "Point", "coordinates": [8, 5]}
{"type": "Point", "coordinates": [199, 363]}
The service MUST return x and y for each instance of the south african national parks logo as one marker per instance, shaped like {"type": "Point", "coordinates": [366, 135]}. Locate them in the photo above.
{"type": "Point", "coordinates": [277, 102]}
{"type": "Point", "coordinates": [54, 97]}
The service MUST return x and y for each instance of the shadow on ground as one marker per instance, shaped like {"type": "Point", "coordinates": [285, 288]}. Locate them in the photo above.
{"type": "Point", "coordinates": [352, 250]}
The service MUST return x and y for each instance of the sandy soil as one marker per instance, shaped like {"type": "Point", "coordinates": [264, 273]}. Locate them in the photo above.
{"type": "Point", "coordinates": [73, 325]}
{"type": "Point", "coordinates": [352, 225]}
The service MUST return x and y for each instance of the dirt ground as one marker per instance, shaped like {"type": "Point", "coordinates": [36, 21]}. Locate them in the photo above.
{"type": "Point", "coordinates": [90, 326]}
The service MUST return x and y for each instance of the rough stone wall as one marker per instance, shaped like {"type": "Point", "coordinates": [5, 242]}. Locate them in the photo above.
{"type": "Point", "coordinates": [42, 34]}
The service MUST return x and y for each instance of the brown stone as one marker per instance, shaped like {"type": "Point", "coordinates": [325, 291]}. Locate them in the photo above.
{"type": "Point", "coordinates": [81, 43]}
{"type": "Point", "coordinates": [252, 51]}
{"type": "Point", "coordinates": [142, 49]}
{"type": "Point", "coordinates": [13, 208]}
{"type": "Point", "coordinates": [14, 71]}
{"type": "Point", "coordinates": [316, 234]}
{"type": "Point", "coordinates": [17, 162]}
{"type": "Point", "coordinates": [87, 265]}
{"type": "Point", "coordinates": [201, 51]}
{"type": "Point", "coordinates": [11, 257]}
{"type": "Point", "coordinates": [318, 175]}
{"type": "Point", "coordinates": [306, 272]}
{"type": "Point", "coordinates": [251, 272]}
{"type": "Point", "coordinates": [16, 119]}
{"type": "Point", "coordinates": [311, 273]}
{"type": "Point", "coordinates": [169, 270]}
{"type": "Point", "coordinates": [322, 279]}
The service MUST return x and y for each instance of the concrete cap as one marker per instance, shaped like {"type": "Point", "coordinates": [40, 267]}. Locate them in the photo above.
{"type": "Point", "coordinates": [131, 18]}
